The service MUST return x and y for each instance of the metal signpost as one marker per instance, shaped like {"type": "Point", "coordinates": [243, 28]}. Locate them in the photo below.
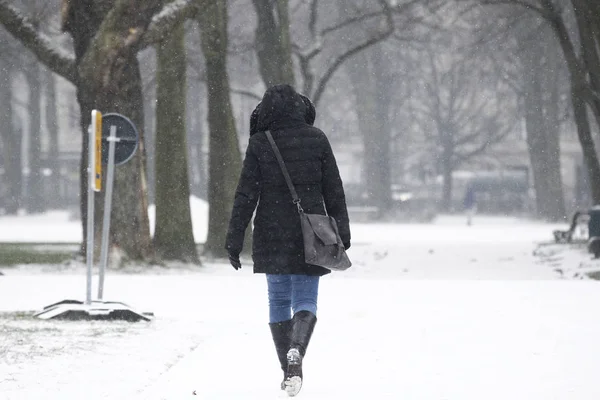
{"type": "Point", "coordinates": [113, 140]}
{"type": "Point", "coordinates": [122, 138]}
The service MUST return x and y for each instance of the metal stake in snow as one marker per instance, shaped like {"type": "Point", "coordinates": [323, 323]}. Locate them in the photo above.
{"type": "Point", "coordinates": [122, 138]}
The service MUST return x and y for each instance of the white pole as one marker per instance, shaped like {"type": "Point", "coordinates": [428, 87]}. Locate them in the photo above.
{"type": "Point", "coordinates": [90, 208]}
{"type": "Point", "coordinates": [110, 177]}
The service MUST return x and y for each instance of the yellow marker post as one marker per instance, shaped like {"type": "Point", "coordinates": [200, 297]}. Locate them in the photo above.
{"type": "Point", "coordinates": [98, 151]}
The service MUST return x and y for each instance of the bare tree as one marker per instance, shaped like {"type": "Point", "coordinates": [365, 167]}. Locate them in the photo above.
{"type": "Point", "coordinates": [527, 56]}
{"type": "Point", "coordinates": [581, 53]}
{"type": "Point", "coordinates": [464, 111]}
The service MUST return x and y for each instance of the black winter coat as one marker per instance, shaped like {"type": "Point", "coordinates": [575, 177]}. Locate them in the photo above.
{"type": "Point", "coordinates": [277, 237]}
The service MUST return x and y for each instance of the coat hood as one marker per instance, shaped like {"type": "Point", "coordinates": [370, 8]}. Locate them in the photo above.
{"type": "Point", "coordinates": [309, 111]}
{"type": "Point", "coordinates": [281, 107]}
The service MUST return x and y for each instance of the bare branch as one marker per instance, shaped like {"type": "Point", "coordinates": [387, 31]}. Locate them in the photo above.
{"type": "Point", "coordinates": [386, 11]}
{"type": "Point", "coordinates": [351, 21]}
{"type": "Point", "coordinates": [492, 140]}
{"type": "Point", "coordinates": [19, 26]}
{"type": "Point", "coordinates": [171, 15]}
{"type": "Point", "coordinates": [355, 50]}
{"type": "Point", "coordinates": [247, 93]}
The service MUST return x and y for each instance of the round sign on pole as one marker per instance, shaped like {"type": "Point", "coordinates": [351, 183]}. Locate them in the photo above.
{"type": "Point", "coordinates": [127, 137]}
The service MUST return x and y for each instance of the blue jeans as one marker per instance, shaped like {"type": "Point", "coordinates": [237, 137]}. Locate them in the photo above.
{"type": "Point", "coordinates": [289, 293]}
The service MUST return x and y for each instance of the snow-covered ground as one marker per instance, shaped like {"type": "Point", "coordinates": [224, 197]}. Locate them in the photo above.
{"type": "Point", "coordinates": [433, 311]}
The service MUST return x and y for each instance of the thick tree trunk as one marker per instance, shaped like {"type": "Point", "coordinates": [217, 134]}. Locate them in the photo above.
{"type": "Point", "coordinates": [35, 192]}
{"type": "Point", "coordinates": [556, 199]}
{"type": "Point", "coordinates": [224, 154]}
{"type": "Point", "coordinates": [173, 235]}
{"type": "Point", "coordinates": [11, 146]}
{"type": "Point", "coordinates": [372, 102]}
{"type": "Point", "coordinates": [54, 200]}
{"type": "Point", "coordinates": [537, 145]}
{"type": "Point", "coordinates": [541, 120]}
{"type": "Point", "coordinates": [110, 81]}
{"type": "Point", "coordinates": [130, 227]}
{"type": "Point", "coordinates": [273, 44]}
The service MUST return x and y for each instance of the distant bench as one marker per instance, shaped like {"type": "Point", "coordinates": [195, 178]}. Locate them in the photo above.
{"type": "Point", "coordinates": [589, 224]}
{"type": "Point", "coordinates": [580, 221]}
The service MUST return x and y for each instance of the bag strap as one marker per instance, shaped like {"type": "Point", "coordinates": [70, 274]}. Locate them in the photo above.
{"type": "Point", "coordinates": [286, 174]}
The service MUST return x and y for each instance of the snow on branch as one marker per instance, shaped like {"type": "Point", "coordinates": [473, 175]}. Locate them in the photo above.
{"type": "Point", "coordinates": [171, 14]}
{"type": "Point", "coordinates": [19, 26]}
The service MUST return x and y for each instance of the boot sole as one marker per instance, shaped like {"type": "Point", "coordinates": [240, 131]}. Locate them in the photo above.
{"type": "Point", "coordinates": [293, 385]}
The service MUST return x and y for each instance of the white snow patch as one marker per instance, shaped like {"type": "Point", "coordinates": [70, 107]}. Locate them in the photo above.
{"type": "Point", "coordinates": [429, 312]}
{"type": "Point", "coordinates": [60, 227]}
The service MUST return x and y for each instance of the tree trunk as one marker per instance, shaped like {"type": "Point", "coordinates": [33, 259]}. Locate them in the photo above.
{"type": "Point", "coordinates": [384, 88]}
{"type": "Point", "coordinates": [35, 191]}
{"type": "Point", "coordinates": [173, 235]}
{"type": "Point", "coordinates": [224, 154]}
{"type": "Point", "coordinates": [110, 81]}
{"type": "Point", "coordinates": [54, 200]}
{"type": "Point", "coordinates": [447, 182]}
{"type": "Point", "coordinates": [273, 44]}
{"type": "Point", "coordinates": [11, 146]}
{"type": "Point", "coordinates": [586, 141]}
{"type": "Point", "coordinates": [578, 99]}
{"type": "Point", "coordinates": [541, 120]}
{"type": "Point", "coordinates": [588, 36]}
{"type": "Point", "coordinates": [556, 198]}
{"type": "Point", "coordinates": [372, 102]}
{"type": "Point", "coordinates": [195, 138]}
{"type": "Point", "coordinates": [536, 141]}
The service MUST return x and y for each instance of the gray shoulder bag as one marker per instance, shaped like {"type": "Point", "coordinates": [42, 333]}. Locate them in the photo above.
{"type": "Point", "coordinates": [322, 243]}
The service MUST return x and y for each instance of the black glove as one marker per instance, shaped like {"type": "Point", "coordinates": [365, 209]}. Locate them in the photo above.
{"type": "Point", "coordinates": [346, 246]}
{"type": "Point", "coordinates": [234, 260]}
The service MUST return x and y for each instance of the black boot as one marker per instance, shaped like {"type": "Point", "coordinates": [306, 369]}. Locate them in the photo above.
{"type": "Point", "coordinates": [303, 325]}
{"type": "Point", "coordinates": [281, 332]}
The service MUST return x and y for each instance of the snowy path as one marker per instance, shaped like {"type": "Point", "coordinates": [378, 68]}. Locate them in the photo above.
{"type": "Point", "coordinates": [429, 312]}
{"type": "Point", "coordinates": [412, 340]}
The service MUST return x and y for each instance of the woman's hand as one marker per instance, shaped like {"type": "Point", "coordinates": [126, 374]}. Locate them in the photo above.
{"type": "Point", "coordinates": [234, 260]}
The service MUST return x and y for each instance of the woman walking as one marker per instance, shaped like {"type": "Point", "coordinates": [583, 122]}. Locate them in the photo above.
{"type": "Point", "coordinates": [277, 249]}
